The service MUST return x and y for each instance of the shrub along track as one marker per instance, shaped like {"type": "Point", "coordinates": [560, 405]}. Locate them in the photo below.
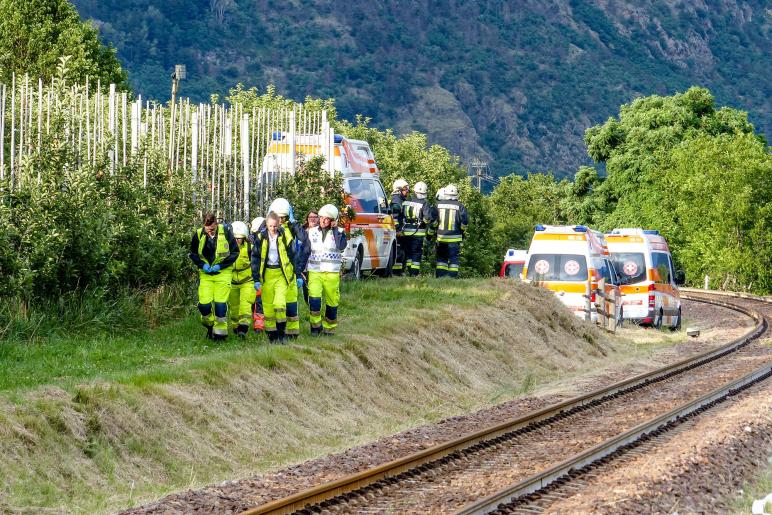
{"type": "Point", "coordinates": [448, 477]}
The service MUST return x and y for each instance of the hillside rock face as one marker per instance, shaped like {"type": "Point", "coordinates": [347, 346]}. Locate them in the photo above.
{"type": "Point", "coordinates": [513, 82]}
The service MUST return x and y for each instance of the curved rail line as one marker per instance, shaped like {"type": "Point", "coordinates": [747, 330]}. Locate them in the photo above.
{"type": "Point", "coordinates": [404, 468]}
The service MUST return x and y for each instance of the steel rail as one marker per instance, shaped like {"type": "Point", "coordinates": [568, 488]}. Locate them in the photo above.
{"type": "Point", "coordinates": [419, 460]}
{"type": "Point", "coordinates": [626, 440]}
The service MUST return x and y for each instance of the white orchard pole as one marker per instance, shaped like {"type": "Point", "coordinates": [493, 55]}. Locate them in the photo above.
{"type": "Point", "coordinates": [245, 160]}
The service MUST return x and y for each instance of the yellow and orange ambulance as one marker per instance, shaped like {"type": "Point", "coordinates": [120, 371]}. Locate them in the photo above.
{"type": "Point", "coordinates": [649, 282]}
{"type": "Point", "coordinates": [571, 260]}
{"type": "Point", "coordinates": [372, 232]}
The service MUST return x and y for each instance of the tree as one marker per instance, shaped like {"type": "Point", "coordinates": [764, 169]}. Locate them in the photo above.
{"type": "Point", "coordinates": [36, 34]}
{"type": "Point", "coordinates": [631, 147]}
{"type": "Point", "coordinates": [698, 174]}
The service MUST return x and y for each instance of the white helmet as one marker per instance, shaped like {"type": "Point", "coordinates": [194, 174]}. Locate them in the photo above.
{"type": "Point", "coordinates": [398, 185]}
{"type": "Point", "coordinates": [280, 206]}
{"type": "Point", "coordinates": [420, 189]}
{"type": "Point", "coordinates": [451, 192]}
{"type": "Point", "coordinates": [256, 223]}
{"type": "Point", "coordinates": [329, 211]}
{"type": "Point", "coordinates": [239, 229]}
{"type": "Point", "coordinates": [440, 194]}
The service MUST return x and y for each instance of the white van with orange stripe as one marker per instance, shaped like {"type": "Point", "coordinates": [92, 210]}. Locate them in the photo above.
{"type": "Point", "coordinates": [571, 260]}
{"type": "Point", "coordinates": [649, 283]}
{"type": "Point", "coordinates": [372, 232]}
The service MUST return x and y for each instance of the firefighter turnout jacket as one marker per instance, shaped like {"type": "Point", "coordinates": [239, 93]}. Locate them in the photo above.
{"type": "Point", "coordinates": [452, 220]}
{"type": "Point", "coordinates": [417, 216]}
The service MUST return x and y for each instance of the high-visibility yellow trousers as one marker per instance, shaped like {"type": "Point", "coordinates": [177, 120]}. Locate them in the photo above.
{"type": "Point", "coordinates": [323, 286]}
{"type": "Point", "coordinates": [293, 320]}
{"type": "Point", "coordinates": [240, 303]}
{"type": "Point", "coordinates": [275, 299]}
{"type": "Point", "coordinates": [215, 289]}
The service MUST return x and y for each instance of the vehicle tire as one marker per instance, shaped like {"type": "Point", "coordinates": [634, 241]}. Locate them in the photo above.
{"type": "Point", "coordinates": [677, 326]}
{"type": "Point", "coordinates": [658, 321]}
{"type": "Point", "coordinates": [355, 273]}
{"type": "Point", "coordinates": [387, 272]}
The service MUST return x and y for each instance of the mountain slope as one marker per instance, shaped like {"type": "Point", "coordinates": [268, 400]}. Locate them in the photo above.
{"type": "Point", "coordinates": [516, 83]}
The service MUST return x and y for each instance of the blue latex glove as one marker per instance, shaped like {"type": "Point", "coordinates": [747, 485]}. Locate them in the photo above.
{"type": "Point", "coordinates": [258, 285]}
{"type": "Point", "coordinates": [292, 215]}
{"type": "Point", "coordinates": [300, 282]}
{"type": "Point", "coordinates": [214, 269]}
{"type": "Point", "coordinates": [206, 268]}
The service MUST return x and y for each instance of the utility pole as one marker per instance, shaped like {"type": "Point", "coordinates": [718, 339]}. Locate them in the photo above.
{"type": "Point", "coordinates": [479, 171]}
{"type": "Point", "coordinates": [180, 73]}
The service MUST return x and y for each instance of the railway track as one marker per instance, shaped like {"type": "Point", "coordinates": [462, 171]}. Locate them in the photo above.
{"type": "Point", "coordinates": [507, 466]}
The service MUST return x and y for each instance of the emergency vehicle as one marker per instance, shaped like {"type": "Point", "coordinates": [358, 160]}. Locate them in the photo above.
{"type": "Point", "coordinates": [372, 233]}
{"type": "Point", "coordinates": [514, 261]}
{"type": "Point", "coordinates": [571, 260]}
{"type": "Point", "coordinates": [649, 283]}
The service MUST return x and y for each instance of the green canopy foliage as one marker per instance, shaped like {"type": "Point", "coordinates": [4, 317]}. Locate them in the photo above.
{"type": "Point", "coordinates": [36, 34]}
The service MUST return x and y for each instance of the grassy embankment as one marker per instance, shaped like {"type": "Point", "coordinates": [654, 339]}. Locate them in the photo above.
{"type": "Point", "coordinates": [97, 423]}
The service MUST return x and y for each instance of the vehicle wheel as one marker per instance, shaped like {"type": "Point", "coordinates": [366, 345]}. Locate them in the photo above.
{"type": "Point", "coordinates": [386, 272]}
{"type": "Point", "coordinates": [356, 267]}
{"type": "Point", "coordinates": [658, 321]}
{"type": "Point", "coordinates": [677, 326]}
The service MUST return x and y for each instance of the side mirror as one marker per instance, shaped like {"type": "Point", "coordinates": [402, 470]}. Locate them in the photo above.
{"type": "Point", "coordinates": [680, 277]}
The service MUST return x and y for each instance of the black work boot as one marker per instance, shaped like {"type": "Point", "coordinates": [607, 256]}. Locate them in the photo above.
{"type": "Point", "coordinates": [316, 331]}
{"type": "Point", "coordinates": [281, 328]}
{"type": "Point", "coordinates": [209, 335]}
{"type": "Point", "coordinates": [272, 336]}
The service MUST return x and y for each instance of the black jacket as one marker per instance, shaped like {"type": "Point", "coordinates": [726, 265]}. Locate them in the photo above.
{"type": "Point", "coordinates": [210, 249]}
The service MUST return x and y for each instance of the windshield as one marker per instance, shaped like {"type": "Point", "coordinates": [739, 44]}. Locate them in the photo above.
{"type": "Point", "coordinates": [557, 267]}
{"type": "Point", "coordinates": [513, 270]}
{"type": "Point", "coordinates": [630, 266]}
{"type": "Point", "coordinates": [365, 194]}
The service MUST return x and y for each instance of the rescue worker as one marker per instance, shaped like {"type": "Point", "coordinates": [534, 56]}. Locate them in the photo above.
{"type": "Point", "coordinates": [399, 193]}
{"type": "Point", "coordinates": [327, 244]}
{"type": "Point", "coordinates": [417, 216]}
{"type": "Point", "coordinates": [312, 220]}
{"type": "Point", "coordinates": [213, 250]}
{"type": "Point", "coordinates": [298, 238]}
{"type": "Point", "coordinates": [273, 272]}
{"type": "Point", "coordinates": [242, 295]}
{"type": "Point", "coordinates": [258, 318]}
{"type": "Point", "coordinates": [452, 220]}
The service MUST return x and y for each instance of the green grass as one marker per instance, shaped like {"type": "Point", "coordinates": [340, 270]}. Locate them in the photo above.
{"type": "Point", "coordinates": [759, 488]}
{"type": "Point", "coordinates": [141, 355]}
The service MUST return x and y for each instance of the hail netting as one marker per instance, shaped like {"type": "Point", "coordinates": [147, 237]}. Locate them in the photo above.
{"type": "Point", "coordinates": [221, 148]}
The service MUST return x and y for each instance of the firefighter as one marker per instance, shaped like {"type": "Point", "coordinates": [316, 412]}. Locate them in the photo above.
{"type": "Point", "coordinates": [417, 216]}
{"type": "Point", "coordinates": [298, 238]}
{"type": "Point", "coordinates": [258, 319]}
{"type": "Point", "coordinates": [242, 295]}
{"type": "Point", "coordinates": [213, 250]}
{"type": "Point", "coordinates": [452, 220]}
{"type": "Point", "coordinates": [327, 244]}
{"type": "Point", "coordinates": [273, 272]}
{"type": "Point", "coordinates": [399, 193]}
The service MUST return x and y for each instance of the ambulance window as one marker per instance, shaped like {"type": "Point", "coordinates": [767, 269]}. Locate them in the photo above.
{"type": "Point", "coordinates": [366, 194]}
{"type": "Point", "coordinates": [513, 270]}
{"type": "Point", "coordinates": [630, 266]}
{"type": "Point", "coordinates": [661, 263]}
{"type": "Point", "coordinates": [557, 267]}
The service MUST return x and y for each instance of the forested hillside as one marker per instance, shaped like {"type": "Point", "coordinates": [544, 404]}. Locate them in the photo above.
{"type": "Point", "coordinates": [516, 83]}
